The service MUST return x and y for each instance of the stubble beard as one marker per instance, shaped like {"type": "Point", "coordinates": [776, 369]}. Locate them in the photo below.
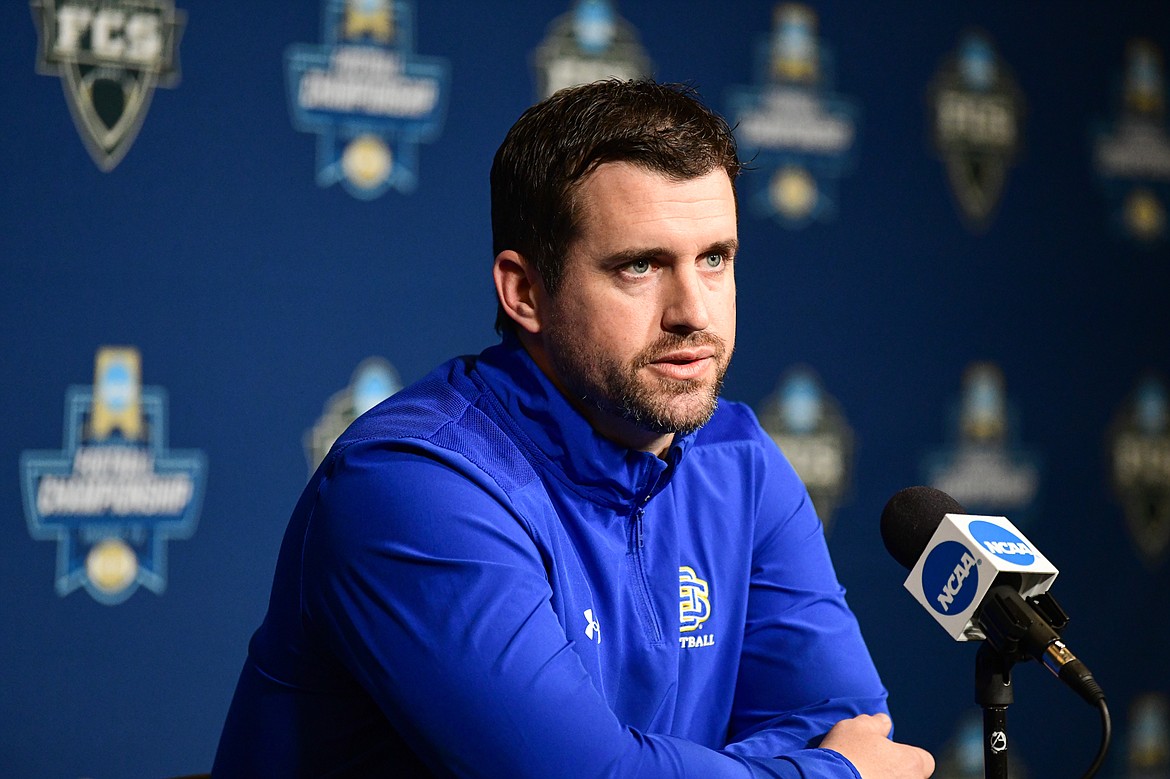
{"type": "Point", "coordinates": [600, 381]}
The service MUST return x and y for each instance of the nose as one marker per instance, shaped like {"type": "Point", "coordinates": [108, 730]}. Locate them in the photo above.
{"type": "Point", "coordinates": [685, 307]}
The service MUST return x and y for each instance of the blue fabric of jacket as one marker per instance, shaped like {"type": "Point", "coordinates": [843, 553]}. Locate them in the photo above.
{"type": "Point", "coordinates": [474, 583]}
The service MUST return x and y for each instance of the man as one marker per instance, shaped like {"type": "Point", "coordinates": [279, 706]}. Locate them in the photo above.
{"type": "Point", "coordinates": [564, 557]}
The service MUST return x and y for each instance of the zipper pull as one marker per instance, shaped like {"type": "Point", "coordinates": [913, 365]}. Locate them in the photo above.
{"type": "Point", "coordinates": [638, 526]}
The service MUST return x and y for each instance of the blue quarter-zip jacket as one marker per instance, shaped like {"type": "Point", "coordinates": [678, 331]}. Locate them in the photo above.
{"type": "Point", "coordinates": [475, 583]}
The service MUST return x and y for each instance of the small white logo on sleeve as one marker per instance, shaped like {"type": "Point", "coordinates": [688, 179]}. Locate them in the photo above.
{"type": "Point", "coordinates": [592, 627]}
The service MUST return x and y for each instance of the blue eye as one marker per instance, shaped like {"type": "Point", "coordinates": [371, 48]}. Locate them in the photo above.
{"type": "Point", "coordinates": [639, 267]}
{"type": "Point", "coordinates": [713, 260]}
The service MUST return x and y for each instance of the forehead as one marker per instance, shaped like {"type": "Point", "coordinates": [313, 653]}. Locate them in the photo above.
{"type": "Point", "coordinates": [620, 204]}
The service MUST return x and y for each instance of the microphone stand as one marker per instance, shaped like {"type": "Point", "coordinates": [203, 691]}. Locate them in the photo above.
{"type": "Point", "coordinates": [1013, 628]}
{"type": "Point", "coordinates": [993, 691]}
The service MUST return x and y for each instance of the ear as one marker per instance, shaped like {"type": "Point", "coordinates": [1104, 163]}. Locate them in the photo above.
{"type": "Point", "coordinates": [519, 289]}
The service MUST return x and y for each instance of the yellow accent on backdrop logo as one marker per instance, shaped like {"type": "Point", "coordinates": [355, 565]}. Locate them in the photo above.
{"type": "Point", "coordinates": [117, 394]}
{"type": "Point", "coordinates": [374, 18]}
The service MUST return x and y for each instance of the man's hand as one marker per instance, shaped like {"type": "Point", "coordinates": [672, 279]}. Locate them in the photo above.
{"type": "Point", "coordinates": [863, 740]}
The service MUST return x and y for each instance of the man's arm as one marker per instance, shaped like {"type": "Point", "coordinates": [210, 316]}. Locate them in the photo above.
{"type": "Point", "coordinates": [435, 597]}
{"type": "Point", "coordinates": [805, 670]}
{"type": "Point", "coordinates": [804, 665]}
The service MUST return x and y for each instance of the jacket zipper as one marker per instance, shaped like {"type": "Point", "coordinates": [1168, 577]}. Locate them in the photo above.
{"type": "Point", "coordinates": [638, 571]}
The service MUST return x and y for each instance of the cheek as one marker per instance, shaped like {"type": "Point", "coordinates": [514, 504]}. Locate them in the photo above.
{"type": "Point", "coordinates": [725, 306]}
{"type": "Point", "coordinates": [613, 322]}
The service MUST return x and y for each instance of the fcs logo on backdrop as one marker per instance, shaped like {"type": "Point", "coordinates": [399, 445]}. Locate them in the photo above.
{"type": "Point", "coordinates": [1140, 449]}
{"type": "Point", "coordinates": [694, 608]}
{"type": "Point", "coordinates": [984, 469]}
{"type": "Point", "coordinates": [367, 96]}
{"type": "Point", "coordinates": [115, 494]}
{"type": "Point", "coordinates": [373, 381]}
{"type": "Point", "coordinates": [797, 130]}
{"type": "Point", "coordinates": [110, 55]}
{"type": "Point", "coordinates": [807, 425]}
{"type": "Point", "coordinates": [589, 43]}
{"type": "Point", "coordinates": [1132, 155]}
{"type": "Point", "coordinates": [977, 126]}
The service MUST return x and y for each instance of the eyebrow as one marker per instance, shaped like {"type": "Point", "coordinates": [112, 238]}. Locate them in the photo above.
{"type": "Point", "coordinates": [727, 248]}
{"type": "Point", "coordinates": [629, 256]}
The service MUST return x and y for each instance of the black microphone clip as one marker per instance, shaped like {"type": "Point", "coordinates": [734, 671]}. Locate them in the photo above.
{"type": "Point", "coordinates": [1020, 628]}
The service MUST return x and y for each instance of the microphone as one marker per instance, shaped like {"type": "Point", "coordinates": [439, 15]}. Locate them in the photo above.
{"type": "Point", "coordinates": [981, 579]}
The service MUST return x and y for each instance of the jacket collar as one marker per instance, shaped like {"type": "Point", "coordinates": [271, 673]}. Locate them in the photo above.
{"type": "Point", "coordinates": [560, 441]}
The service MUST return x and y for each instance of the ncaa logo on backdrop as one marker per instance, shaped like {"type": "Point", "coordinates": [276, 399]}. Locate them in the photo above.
{"type": "Point", "coordinates": [1140, 464]}
{"type": "Point", "coordinates": [368, 97]}
{"type": "Point", "coordinates": [792, 124]}
{"type": "Point", "coordinates": [977, 125]}
{"type": "Point", "coordinates": [807, 425]}
{"type": "Point", "coordinates": [373, 381]}
{"type": "Point", "coordinates": [115, 493]}
{"type": "Point", "coordinates": [589, 43]}
{"type": "Point", "coordinates": [985, 469]}
{"type": "Point", "coordinates": [1132, 156]}
{"type": "Point", "coordinates": [110, 55]}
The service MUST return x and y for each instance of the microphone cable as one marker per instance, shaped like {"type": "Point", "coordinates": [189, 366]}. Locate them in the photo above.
{"type": "Point", "coordinates": [1106, 736]}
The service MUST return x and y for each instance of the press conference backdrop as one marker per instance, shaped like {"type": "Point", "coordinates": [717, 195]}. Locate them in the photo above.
{"type": "Point", "coordinates": [228, 227]}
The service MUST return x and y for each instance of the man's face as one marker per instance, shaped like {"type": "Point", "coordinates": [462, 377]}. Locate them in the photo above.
{"type": "Point", "coordinates": [641, 331]}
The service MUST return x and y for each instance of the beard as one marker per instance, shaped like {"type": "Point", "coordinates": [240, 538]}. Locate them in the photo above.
{"type": "Point", "coordinates": [656, 404]}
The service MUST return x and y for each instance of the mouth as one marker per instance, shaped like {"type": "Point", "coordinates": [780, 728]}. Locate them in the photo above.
{"type": "Point", "coordinates": [684, 364]}
{"type": "Point", "coordinates": [683, 356]}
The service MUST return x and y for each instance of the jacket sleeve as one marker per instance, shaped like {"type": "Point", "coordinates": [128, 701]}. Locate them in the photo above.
{"type": "Point", "coordinates": [804, 664]}
{"type": "Point", "coordinates": [434, 595]}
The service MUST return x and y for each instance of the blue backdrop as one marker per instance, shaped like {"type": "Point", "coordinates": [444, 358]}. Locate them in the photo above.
{"type": "Point", "coordinates": [252, 294]}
